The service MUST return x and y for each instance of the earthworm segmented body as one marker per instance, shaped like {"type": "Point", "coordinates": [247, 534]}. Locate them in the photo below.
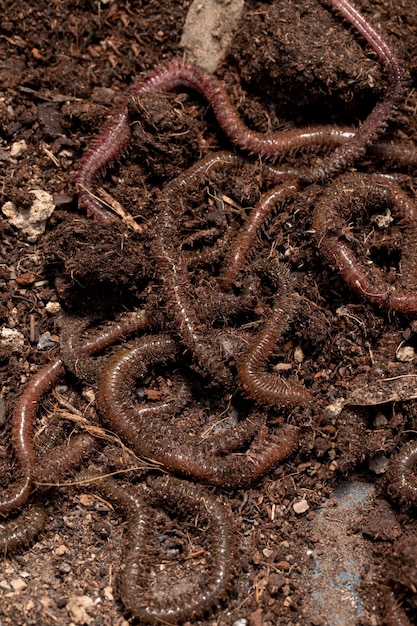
{"type": "Point", "coordinates": [22, 432]}
{"type": "Point", "coordinates": [177, 452]}
{"type": "Point", "coordinates": [337, 243]}
{"type": "Point", "coordinates": [375, 124]}
{"type": "Point", "coordinates": [173, 270]}
{"type": "Point", "coordinates": [64, 458]}
{"type": "Point", "coordinates": [402, 474]}
{"type": "Point", "coordinates": [262, 386]}
{"type": "Point", "coordinates": [116, 136]}
{"type": "Point", "coordinates": [23, 529]}
{"type": "Point", "coordinates": [187, 501]}
{"type": "Point", "coordinates": [243, 244]}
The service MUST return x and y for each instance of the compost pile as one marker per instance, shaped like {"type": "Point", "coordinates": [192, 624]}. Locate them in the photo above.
{"type": "Point", "coordinates": [208, 311]}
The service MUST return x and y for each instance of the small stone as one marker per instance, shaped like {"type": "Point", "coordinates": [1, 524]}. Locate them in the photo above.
{"type": "Point", "coordinates": [378, 464]}
{"type": "Point", "coordinates": [383, 220]}
{"type": "Point", "coordinates": [4, 585]}
{"type": "Point", "coordinates": [380, 420]}
{"type": "Point", "coordinates": [208, 31]}
{"type": "Point", "coordinates": [52, 308]}
{"type": "Point", "coordinates": [301, 507]}
{"type": "Point", "coordinates": [108, 593]}
{"type": "Point", "coordinates": [334, 410]}
{"type": "Point", "coordinates": [47, 341]}
{"type": "Point", "coordinates": [18, 148]}
{"type": "Point", "coordinates": [267, 552]}
{"type": "Point", "coordinates": [31, 222]}
{"type": "Point", "coordinates": [18, 584]}
{"type": "Point", "coordinates": [12, 338]}
{"type": "Point", "coordinates": [87, 500]}
{"type": "Point", "coordinates": [298, 355]}
{"type": "Point", "coordinates": [64, 568]}
{"type": "Point", "coordinates": [61, 550]}
{"type": "Point", "coordinates": [77, 607]}
{"type": "Point", "coordinates": [405, 354]}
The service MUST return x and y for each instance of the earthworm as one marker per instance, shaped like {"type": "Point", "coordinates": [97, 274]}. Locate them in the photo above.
{"type": "Point", "coordinates": [333, 236]}
{"type": "Point", "coordinates": [77, 352]}
{"type": "Point", "coordinates": [178, 452]}
{"type": "Point", "coordinates": [64, 458]}
{"type": "Point", "coordinates": [182, 306]}
{"type": "Point", "coordinates": [23, 529]}
{"type": "Point", "coordinates": [22, 437]}
{"type": "Point", "coordinates": [402, 474]}
{"type": "Point", "coordinates": [244, 241]}
{"type": "Point", "coordinates": [262, 386]}
{"type": "Point", "coordinates": [187, 314]}
{"type": "Point", "coordinates": [174, 272]}
{"type": "Point", "coordinates": [186, 500]}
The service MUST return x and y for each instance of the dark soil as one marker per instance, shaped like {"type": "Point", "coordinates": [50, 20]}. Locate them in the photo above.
{"type": "Point", "coordinates": [64, 64]}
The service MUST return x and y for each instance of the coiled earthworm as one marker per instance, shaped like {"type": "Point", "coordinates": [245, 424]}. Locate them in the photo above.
{"type": "Point", "coordinates": [262, 386]}
{"type": "Point", "coordinates": [402, 474]}
{"type": "Point", "coordinates": [186, 500]}
{"type": "Point", "coordinates": [23, 529]}
{"type": "Point", "coordinates": [26, 406]}
{"type": "Point", "coordinates": [178, 452]}
{"type": "Point", "coordinates": [334, 239]}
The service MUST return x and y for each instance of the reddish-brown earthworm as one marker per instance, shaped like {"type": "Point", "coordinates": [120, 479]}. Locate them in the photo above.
{"type": "Point", "coordinates": [337, 242]}
{"type": "Point", "coordinates": [26, 406]}
{"type": "Point", "coordinates": [178, 452]}
{"type": "Point", "coordinates": [262, 386]}
{"type": "Point", "coordinates": [187, 501]}
{"type": "Point", "coordinates": [23, 529]}
{"type": "Point", "coordinates": [243, 243]}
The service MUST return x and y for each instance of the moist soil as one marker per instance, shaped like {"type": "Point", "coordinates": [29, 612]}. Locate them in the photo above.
{"type": "Point", "coordinates": [64, 66]}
